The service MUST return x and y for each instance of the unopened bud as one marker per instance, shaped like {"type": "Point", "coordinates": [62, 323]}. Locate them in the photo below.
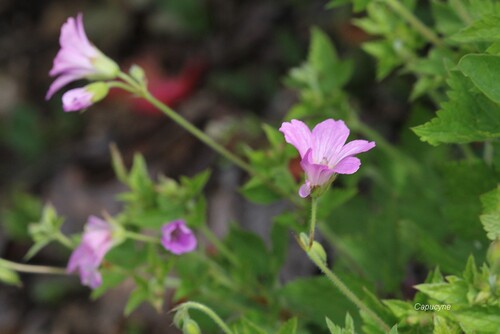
{"type": "Point", "coordinates": [190, 327]}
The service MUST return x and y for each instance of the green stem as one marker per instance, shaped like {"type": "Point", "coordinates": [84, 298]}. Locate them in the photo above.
{"type": "Point", "coordinates": [412, 20]}
{"type": "Point", "coordinates": [141, 237]}
{"type": "Point", "coordinates": [219, 245]}
{"type": "Point", "coordinates": [312, 226]}
{"type": "Point", "coordinates": [208, 312]}
{"type": "Point", "coordinates": [64, 240]}
{"type": "Point", "coordinates": [198, 133]}
{"type": "Point", "coordinates": [488, 152]}
{"type": "Point", "coordinates": [462, 11]}
{"type": "Point", "coordinates": [144, 93]}
{"type": "Point", "coordinates": [28, 268]}
{"type": "Point", "coordinates": [346, 291]}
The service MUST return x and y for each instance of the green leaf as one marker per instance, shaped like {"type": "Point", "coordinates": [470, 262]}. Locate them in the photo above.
{"type": "Point", "coordinates": [289, 327]}
{"type": "Point", "coordinates": [466, 117]}
{"type": "Point", "coordinates": [139, 295]}
{"type": "Point", "coordinates": [479, 319]}
{"type": "Point", "coordinates": [491, 213]}
{"type": "Point", "coordinates": [484, 71]}
{"type": "Point", "coordinates": [348, 329]}
{"type": "Point", "coordinates": [9, 277]}
{"type": "Point", "coordinates": [257, 191]}
{"type": "Point", "coordinates": [442, 326]}
{"type": "Point", "coordinates": [323, 58]}
{"type": "Point", "coordinates": [486, 29]}
{"type": "Point", "coordinates": [451, 293]}
{"type": "Point", "coordinates": [110, 279]}
{"type": "Point", "coordinates": [446, 19]}
{"type": "Point", "coordinates": [394, 330]}
{"type": "Point", "coordinates": [384, 52]}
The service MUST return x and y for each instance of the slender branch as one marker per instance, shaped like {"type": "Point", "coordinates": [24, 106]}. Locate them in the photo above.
{"type": "Point", "coordinates": [28, 268]}
{"type": "Point", "coordinates": [141, 237]}
{"type": "Point", "coordinates": [312, 226]}
{"type": "Point", "coordinates": [208, 312]}
{"type": "Point", "coordinates": [219, 245]}
{"type": "Point", "coordinates": [143, 92]}
{"type": "Point", "coordinates": [412, 20]}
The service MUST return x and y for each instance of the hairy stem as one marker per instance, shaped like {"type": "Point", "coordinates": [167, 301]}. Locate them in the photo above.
{"type": "Point", "coordinates": [345, 290]}
{"type": "Point", "coordinates": [28, 268]}
{"type": "Point", "coordinates": [218, 244]}
{"type": "Point", "coordinates": [141, 237]}
{"type": "Point", "coordinates": [312, 226]}
{"type": "Point", "coordinates": [208, 312]}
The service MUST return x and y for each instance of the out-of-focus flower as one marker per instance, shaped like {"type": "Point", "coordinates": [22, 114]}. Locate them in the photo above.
{"type": "Point", "coordinates": [78, 58]}
{"type": "Point", "coordinates": [324, 151]}
{"type": "Point", "coordinates": [177, 237]}
{"type": "Point", "coordinates": [97, 240]}
{"type": "Point", "coordinates": [82, 98]}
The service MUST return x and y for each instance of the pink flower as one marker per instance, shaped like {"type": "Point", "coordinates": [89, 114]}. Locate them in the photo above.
{"type": "Point", "coordinates": [82, 98]}
{"type": "Point", "coordinates": [87, 257]}
{"type": "Point", "coordinates": [77, 99]}
{"type": "Point", "coordinates": [177, 237]}
{"type": "Point", "coordinates": [78, 58]}
{"type": "Point", "coordinates": [323, 151]}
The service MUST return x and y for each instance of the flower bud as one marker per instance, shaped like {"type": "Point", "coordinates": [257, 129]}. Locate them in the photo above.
{"type": "Point", "coordinates": [318, 250]}
{"type": "Point", "coordinates": [190, 327]}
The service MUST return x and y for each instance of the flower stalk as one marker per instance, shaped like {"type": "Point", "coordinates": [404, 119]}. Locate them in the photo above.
{"type": "Point", "coordinates": [208, 311]}
{"type": "Point", "coordinates": [339, 284]}
{"type": "Point", "coordinates": [33, 269]}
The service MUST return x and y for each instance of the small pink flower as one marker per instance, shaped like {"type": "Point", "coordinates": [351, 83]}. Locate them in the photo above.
{"type": "Point", "coordinates": [323, 151]}
{"type": "Point", "coordinates": [82, 98]}
{"type": "Point", "coordinates": [78, 58]}
{"type": "Point", "coordinates": [87, 257]}
{"type": "Point", "coordinates": [177, 237]}
{"type": "Point", "coordinates": [77, 99]}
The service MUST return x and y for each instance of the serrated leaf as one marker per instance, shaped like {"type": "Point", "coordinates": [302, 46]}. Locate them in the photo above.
{"type": "Point", "coordinates": [467, 116]}
{"type": "Point", "coordinates": [480, 319]}
{"type": "Point", "coordinates": [491, 213]}
{"type": "Point", "coordinates": [451, 293]}
{"type": "Point", "coordinates": [484, 71]}
{"type": "Point", "coordinates": [486, 29]}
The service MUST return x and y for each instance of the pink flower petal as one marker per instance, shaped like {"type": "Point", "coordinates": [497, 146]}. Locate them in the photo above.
{"type": "Point", "coordinates": [305, 190]}
{"type": "Point", "coordinates": [178, 238]}
{"type": "Point", "coordinates": [316, 174]}
{"type": "Point", "coordinates": [355, 147]}
{"type": "Point", "coordinates": [298, 134]}
{"type": "Point", "coordinates": [328, 137]}
{"type": "Point", "coordinates": [77, 99]}
{"type": "Point", "coordinates": [349, 165]}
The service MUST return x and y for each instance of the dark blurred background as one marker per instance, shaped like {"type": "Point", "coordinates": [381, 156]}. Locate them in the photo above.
{"type": "Point", "coordinates": [219, 63]}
